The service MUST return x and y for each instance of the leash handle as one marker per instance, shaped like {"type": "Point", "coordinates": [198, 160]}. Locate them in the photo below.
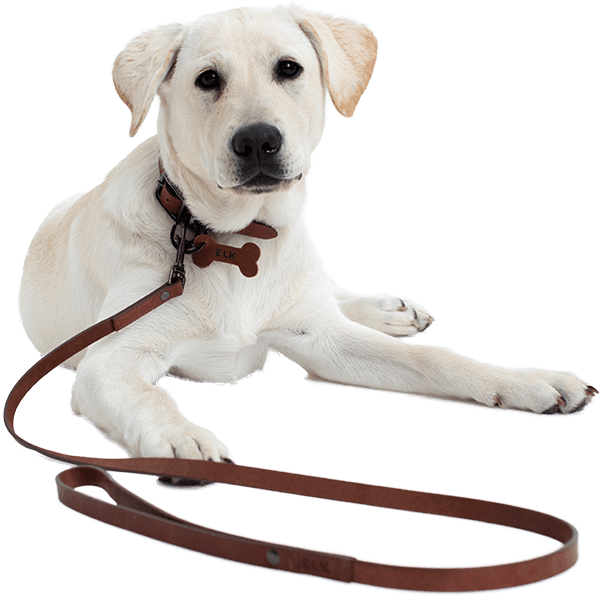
{"type": "Point", "coordinates": [135, 514]}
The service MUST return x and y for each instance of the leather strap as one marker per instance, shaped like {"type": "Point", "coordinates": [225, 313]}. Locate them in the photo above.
{"type": "Point", "coordinates": [134, 514]}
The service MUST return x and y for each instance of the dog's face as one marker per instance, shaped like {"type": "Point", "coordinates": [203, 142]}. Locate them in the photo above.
{"type": "Point", "coordinates": [246, 100]}
{"type": "Point", "coordinates": [242, 101]}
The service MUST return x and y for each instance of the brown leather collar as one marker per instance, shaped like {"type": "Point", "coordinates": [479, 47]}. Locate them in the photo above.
{"type": "Point", "coordinates": [172, 200]}
{"type": "Point", "coordinates": [168, 195]}
{"type": "Point", "coordinates": [200, 241]}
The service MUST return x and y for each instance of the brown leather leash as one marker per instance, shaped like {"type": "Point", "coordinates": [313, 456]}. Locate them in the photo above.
{"type": "Point", "coordinates": [134, 514]}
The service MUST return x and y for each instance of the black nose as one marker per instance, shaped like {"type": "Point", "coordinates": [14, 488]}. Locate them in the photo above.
{"type": "Point", "coordinates": [256, 140]}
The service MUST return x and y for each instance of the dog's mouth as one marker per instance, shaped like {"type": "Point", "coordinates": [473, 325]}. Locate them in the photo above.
{"type": "Point", "coordinates": [263, 184]}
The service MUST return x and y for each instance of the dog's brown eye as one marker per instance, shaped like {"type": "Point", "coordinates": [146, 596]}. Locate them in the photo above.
{"type": "Point", "coordinates": [288, 69]}
{"type": "Point", "coordinates": [208, 80]}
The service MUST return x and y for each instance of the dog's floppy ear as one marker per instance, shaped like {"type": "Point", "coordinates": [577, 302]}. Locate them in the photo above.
{"type": "Point", "coordinates": [347, 52]}
{"type": "Point", "coordinates": [143, 65]}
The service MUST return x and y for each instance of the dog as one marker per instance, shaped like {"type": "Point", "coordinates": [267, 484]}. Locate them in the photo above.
{"type": "Point", "coordinates": [242, 101]}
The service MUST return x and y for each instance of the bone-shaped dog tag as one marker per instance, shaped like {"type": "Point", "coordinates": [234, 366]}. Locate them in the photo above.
{"type": "Point", "coordinates": [245, 258]}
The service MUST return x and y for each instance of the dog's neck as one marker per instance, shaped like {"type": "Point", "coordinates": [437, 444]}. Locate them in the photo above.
{"type": "Point", "coordinates": [173, 201]}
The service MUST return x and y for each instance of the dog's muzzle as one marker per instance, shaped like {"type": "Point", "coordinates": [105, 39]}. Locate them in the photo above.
{"type": "Point", "coordinates": [258, 159]}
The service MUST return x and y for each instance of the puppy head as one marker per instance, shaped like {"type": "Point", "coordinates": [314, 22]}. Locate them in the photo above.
{"type": "Point", "coordinates": [242, 92]}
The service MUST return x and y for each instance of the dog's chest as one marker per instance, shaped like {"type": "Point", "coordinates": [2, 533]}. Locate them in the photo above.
{"type": "Point", "coordinates": [220, 359]}
{"type": "Point", "coordinates": [222, 338]}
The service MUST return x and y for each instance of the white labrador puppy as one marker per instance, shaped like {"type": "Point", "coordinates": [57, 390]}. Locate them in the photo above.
{"type": "Point", "coordinates": [242, 97]}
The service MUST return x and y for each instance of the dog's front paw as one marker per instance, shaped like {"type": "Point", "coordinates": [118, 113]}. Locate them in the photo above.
{"type": "Point", "coordinates": [388, 314]}
{"type": "Point", "coordinates": [182, 441]}
{"type": "Point", "coordinates": [542, 392]}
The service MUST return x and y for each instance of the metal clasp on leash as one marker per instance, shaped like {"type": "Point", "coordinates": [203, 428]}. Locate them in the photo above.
{"type": "Point", "coordinates": [178, 238]}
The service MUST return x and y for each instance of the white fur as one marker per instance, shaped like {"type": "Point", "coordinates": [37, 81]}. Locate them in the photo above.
{"type": "Point", "coordinates": [96, 254]}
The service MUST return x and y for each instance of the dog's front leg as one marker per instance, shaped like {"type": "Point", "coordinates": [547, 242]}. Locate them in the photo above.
{"type": "Point", "coordinates": [115, 390]}
{"type": "Point", "coordinates": [337, 349]}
